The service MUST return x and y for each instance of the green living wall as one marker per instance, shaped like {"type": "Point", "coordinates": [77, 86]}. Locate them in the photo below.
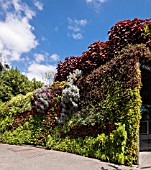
{"type": "Point", "coordinates": [93, 107]}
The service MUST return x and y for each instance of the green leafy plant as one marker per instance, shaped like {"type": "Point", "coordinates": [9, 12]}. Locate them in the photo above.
{"type": "Point", "coordinates": [104, 147]}
{"type": "Point", "coordinates": [19, 104]}
{"type": "Point", "coordinates": [12, 83]}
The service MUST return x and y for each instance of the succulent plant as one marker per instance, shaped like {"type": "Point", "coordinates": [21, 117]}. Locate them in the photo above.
{"type": "Point", "coordinates": [41, 99]}
{"type": "Point", "coordinates": [70, 95]}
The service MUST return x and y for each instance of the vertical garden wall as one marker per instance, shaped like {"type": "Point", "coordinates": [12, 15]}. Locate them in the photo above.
{"type": "Point", "coordinates": [93, 107]}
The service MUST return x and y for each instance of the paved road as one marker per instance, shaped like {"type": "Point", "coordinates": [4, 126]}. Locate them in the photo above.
{"type": "Point", "coordinates": [14, 157]}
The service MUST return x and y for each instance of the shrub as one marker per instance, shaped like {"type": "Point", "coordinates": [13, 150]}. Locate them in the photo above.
{"type": "Point", "coordinates": [107, 148]}
{"type": "Point", "coordinates": [12, 83]}
{"type": "Point", "coordinates": [70, 95]}
{"type": "Point", "coordinates": [41, 99]}
{"type": "Point", "coordinates": [19, 104]}
{"type": "Point", "coordinates": [9, 110]}
{"type": "Point", "coordinates": [104, 80]}
{"type": "Point", "coordinates": [120, 35]}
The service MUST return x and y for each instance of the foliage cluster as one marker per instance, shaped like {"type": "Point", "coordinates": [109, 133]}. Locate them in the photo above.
{"type": "Point", "coordinates": [20, 112]}
{"type": "Point", "coordinates": [42, 99]}
{"type": "Point", "coordinates": [98, 147]}
{"type": "Point", "coordinates": [70, 95]}
{"type": "Point", "coordinates": [120, 35]}
{"type": "Point", "coordinates": [16, 106]}
{"type": "Point", "coordinates": [12, 83]}
{"type": "Point", "coordinates": [119, 70]}
{"type": "Point", "coordinates": [105, 147]}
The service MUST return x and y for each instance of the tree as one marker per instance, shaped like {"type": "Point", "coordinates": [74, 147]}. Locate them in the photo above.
{"type": "Point", "coordinates": [48, 78]}
{"type": "Point", "coordinates": [12, 83]}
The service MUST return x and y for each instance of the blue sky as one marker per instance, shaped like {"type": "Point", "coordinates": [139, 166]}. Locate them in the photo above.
{"type": "Point", "coordinates": [36, 34]}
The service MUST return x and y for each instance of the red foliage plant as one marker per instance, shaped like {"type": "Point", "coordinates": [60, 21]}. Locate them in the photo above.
{"type": "Point", "coordinates": [121, 34]}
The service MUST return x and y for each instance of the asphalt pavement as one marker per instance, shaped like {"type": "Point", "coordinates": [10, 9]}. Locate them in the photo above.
{"type": "Point", "coordinates": [14, 157]}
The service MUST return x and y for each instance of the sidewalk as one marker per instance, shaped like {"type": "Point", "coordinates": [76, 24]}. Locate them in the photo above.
{"type": "Point", "coordinates": [13, 157]}
{"type": "Point", "coordinates": [145, 160]}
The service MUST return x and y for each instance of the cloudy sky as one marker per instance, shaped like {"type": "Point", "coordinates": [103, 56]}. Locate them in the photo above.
{"type": "Point", "coordinates": [36, 34]}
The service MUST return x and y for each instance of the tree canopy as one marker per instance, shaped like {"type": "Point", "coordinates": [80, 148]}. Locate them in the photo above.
{"type": "Point", "coordinates": [12, 83]}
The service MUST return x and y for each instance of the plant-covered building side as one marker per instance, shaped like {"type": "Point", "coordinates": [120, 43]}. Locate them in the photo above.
{"type": "Point", "coordinates": [93, 106]}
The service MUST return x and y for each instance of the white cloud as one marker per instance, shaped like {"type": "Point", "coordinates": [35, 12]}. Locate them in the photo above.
{"type": "Point", "coordinates": [54, 57]}
{"type": "Point", "coordinates": [96, 3]}
{"type": "Point", "coordinates": [82, 22]}
{"type": "Point", "coordinates": [76, 22]}
{"type": "Point", "coordinates": [20, 8]}
{"type": "Point", "coordinates": [38, 71]}
{"type": "Point", "coordinates": [16, 32]}
{"type": "Point", "coordinates": [76, 26]}
{"type": "Point", "coordinates": [5, 5]}
{"type": "Point", "coordinates": [77, 36]}
{"type": "Point", "coordinates": [39, 57]}
{"type": "Point", "coordinates": [16, 36]}
{"type": "Point", "coordinates": [17, 5]}
{"type": "Point", "coordinates": [29, 13]}
{"type": "Point", "coordinates": [75, 29]}
{"type": "Point", "coordinates": [38, 4]}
